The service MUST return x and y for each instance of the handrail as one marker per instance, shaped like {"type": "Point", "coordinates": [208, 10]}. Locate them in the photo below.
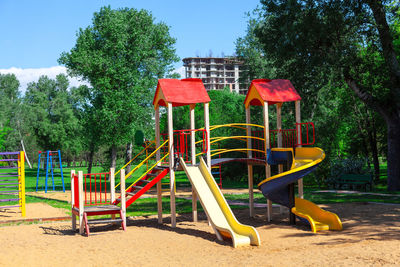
{"type": "Point", "coordinates": [243, 150]}
{"type": "Point", "coordinates": [235, 125]}
{"type": "Point", "coordinates": [137, 155]}
{"type": "Point", "coordinates": [146, 159]}
{"type": "Point", "coordinates": [223, 150]}
{"type": "Point", "coordinates": [144, 174]}
{"type": "Point", "coordinates": [239, 137]}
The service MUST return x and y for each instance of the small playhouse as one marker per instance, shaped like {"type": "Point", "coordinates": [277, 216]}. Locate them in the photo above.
{"type": "Point", "coordinates": [265, 93]}
{"type": "Point", "coordinates": [172, 93]}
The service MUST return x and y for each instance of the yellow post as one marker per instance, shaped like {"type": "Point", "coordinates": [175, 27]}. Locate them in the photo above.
{"type": "Point", "coordinates": [21, 178]}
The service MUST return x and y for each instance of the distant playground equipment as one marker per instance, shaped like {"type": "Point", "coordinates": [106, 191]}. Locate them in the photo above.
{"type": "Point", "coordinates": [52, 165]}
{"type": "Point", "coordinates": [12, 180]}
{"type": "Point", "coordinates": [94, 194]}
{"type": "Point", "coordinates": [179, 149]}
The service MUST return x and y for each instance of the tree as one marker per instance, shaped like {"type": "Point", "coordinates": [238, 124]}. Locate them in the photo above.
{"type": "Point", "coordinates": [250, 51]}
{"type": "Point", "coordinates": [52, 117]}
{"type": "Point", "coordinates": [122, 54]}
{"type": "Point", "coordinates": [9, 105]}
{"type": "Point", "coordinates": [326, 41]}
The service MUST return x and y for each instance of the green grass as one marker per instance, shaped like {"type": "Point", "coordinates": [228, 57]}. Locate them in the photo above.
{"type": "Point", "coordinates": [148, 206]}
{"type": "Point", "coordinates": [325, 197]}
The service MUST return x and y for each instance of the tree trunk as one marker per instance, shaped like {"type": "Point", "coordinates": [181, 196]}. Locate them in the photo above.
{"type": "Point", "coordinates": [374, 148]}
{"type": "Point", "coordinates": [393, 155]}
{"type": "Point", "coordinates": [113, 156]}
{"type": "Point", "coordinates": [128, 156]}
{"type": "Point", "coordinates": [390, 109]}
{"type": "Point", "coordinates": [91, 155]}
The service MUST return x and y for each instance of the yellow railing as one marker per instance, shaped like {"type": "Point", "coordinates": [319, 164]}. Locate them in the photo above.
{"type": "Point", "coordinates": [239, 137]}
{"type": "Point", "coordinates": [145, 160]}
{"type": "Point", "coordinates": [144, 174]}
{"type": "Point", "coordinates": [137, 155]}
{"type": "Point", "coordinates": [243, 150]}
{"type": "Point", "coordinates": [235, 125]}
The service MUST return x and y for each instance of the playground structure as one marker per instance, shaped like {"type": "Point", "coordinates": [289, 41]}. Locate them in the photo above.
{"type": "Point", "coordinates": [299, 161]}
{"type": "Point", "coordinates": [178, 150]}
{"type": "Point", "coordinates": [90, 197]}
{"type": "Point", "coordinates": [12, 180]}
{"type": "Point", "coordinates": [50, 160]}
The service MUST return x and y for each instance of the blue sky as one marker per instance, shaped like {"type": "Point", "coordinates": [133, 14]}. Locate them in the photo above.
{"type": "Point", "coordinates": [34, 33]}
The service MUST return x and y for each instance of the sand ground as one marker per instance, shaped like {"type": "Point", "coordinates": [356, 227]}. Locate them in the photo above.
{"type": "Point", "coordinates": [371, 237]}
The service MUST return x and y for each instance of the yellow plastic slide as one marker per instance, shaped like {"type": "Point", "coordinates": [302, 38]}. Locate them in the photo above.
{"type": "Point", "coordinates": [304, 161]}
{"type": "Point", "coordinates": [217, 209]}
{"type": "Point", "coordinates": [318, 218]}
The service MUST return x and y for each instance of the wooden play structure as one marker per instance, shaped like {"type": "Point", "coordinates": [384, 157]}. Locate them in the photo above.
{"type": "Point", "coordinates": [265, 92]}
{"type": "Point", "coordinates": [299, 160]}
{"type": "Point", "coordinates": [178, 150]}
{"type": "Point", "coordinates": [12, 180]}
{"type": "Point", "coordinates": [94, 194]}
{"type": "Point", "coordinates": [172, 93]}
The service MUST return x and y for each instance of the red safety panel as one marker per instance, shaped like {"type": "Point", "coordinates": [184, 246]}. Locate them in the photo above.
{"type": "Point", "coordinates": [181, 92]}
{"type": "Point", "coordinates": [76, 191]}
{"type": "Point", "coordinates": [273, 91]}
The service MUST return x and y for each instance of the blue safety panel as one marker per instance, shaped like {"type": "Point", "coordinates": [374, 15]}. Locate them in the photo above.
{"type": "Point", "coordinates": [279, 157]}
{"type": "Point", "coordinates": [277, 189]}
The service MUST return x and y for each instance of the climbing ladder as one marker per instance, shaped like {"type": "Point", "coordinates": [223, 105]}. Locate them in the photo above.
{"type": "Point", "coordinates": [147, 180]}
{"type": "Point", "coordinates": [12, 180]}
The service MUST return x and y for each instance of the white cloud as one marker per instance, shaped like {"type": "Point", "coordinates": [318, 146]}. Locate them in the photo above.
{"type": "Point", "coordinates": [26, 76]}
{"type": "Point", "coordinates": [180, 71]}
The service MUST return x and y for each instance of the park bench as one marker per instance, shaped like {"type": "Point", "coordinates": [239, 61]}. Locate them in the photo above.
{"type": "Point", "coordinates": [353, 181]}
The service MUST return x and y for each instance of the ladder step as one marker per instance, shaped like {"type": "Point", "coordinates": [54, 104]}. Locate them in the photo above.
{"type": "Point", "coordinates": [9, 193]}
{"type": "Point", "coordinates": [9, 184]}
{"type": "Point", "coordinates": [152, 174]}
{"type": "Point", "coordinates": [100, 221]}
{"type": "Point", "coordinates": [145, 181]}
{"type": "Point", "coordinates": [160, 168]}
{"type": "Point", "coordinates": [5, 207]}
{"type": "Point", "coordinates": [137, 187]}
{"type": "Point", "coordinates": [10, 199]}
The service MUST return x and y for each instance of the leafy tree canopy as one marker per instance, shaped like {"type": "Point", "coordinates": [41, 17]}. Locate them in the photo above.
{"type": "Point", "coordinates": [122, 54]}
{"type": "Point", "coordinates": [331, 44]}
{"type": "Point", "coordinates": [52, 118]}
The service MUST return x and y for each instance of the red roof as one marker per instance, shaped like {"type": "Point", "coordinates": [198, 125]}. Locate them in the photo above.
{"type": "Point", "coordinates": [271, 91]}
{"type": "Point", "coordinates": [180, 92]}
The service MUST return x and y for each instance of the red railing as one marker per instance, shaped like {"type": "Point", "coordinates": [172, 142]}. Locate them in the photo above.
{"type": "Point", "coordinates": [94, 189]}
{"type": "Point", "coordinates": [299, 126]}
{"type": "Point", "coordinates": [182, 144]}
{"type": "Point", "coordinates": [76, 190]}
{"type": "Point", "coordinates": [289, 137]}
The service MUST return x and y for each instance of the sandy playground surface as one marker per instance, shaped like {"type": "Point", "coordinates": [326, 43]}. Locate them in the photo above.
{"type": "Point", "coordinates": [371, 237]}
